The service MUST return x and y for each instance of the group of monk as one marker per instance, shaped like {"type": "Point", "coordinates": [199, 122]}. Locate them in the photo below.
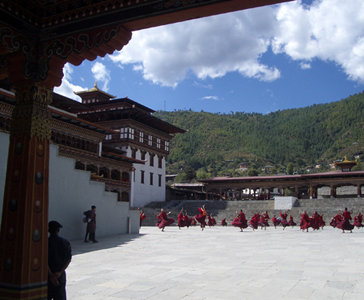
{"type": "Point", "coordinates": [341, 220]}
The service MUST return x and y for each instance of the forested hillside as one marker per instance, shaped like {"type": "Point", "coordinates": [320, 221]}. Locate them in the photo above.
{"type": "Point", "coordinates": [217, 143]}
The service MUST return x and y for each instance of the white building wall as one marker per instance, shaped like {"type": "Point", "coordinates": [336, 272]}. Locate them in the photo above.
{"type": "Point", "coordinates": [71, 192]}
{"type": "Point", "coordinates": [144, 193]}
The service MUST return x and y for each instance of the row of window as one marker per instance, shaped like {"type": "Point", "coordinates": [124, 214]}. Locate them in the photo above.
{"type": "Point", "coordinates": [151, 158]}
{"type": "Point", "coordinates": [129, 133]}
{"type": "Point", "coordinates": [151, 176]}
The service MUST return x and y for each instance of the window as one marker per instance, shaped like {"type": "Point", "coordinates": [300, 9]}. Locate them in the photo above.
{"type": "Point", "coordinates": [141, 176]}
{"type": "Point", "coordinates": [123, 133]}
{"type": "Point", "coordinates": [159, 180]}
{"type": "Point", "coordinates": [166, 146]}
{"type": "Point", "coordinates": [150, 140]}
{"type": "Point", "coordinates": [108, 137]}
{"type": "Point", "coordinates": [160, 161]}
{"type": "Point", "coordinates": [151, 160]}
{"type": "Point", "coordinates": [142, 155]}
{"type": "Point", "coordinates": [141, 137]}
{"type": "Point", "coordinates": [133, 153]}
{"type": "Point", "coordinates": [131, 133]}
{"type": "Point", "coordinates": [158, 143]}
{"type": "Point", "coordinates": [151, 178]}
{"type": "Point", "coordinates": [127, 133]}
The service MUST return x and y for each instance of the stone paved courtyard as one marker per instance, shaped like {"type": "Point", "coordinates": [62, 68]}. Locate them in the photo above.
{"type": "Point", "coordinates": [219, 263]}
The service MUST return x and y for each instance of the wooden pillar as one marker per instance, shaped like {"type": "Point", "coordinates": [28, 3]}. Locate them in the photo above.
{"type": "Point", "coordinates": [265, 194]}
{"type": "Point", "coordinates": [24, 226]}
{"type": "Point", "coordinates": [311, 192]}
{"type": "Point", "coordinates": [207, 194]}
{"type": "Point", "coordinates": [220, 194]}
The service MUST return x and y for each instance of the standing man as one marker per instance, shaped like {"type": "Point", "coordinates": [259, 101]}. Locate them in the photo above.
{"type": "Point", "coordinates": [91, 224]}
{"type": "Point", "coordinates": [59, 257]}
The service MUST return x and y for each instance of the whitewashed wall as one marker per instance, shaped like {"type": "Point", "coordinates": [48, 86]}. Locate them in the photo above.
{"type": "Point", "coordinates": [144, 193]}
{"type": "Point", "coordinates": [71, 192]}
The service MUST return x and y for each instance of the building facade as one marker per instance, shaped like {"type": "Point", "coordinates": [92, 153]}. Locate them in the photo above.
{"type": "Point", "coordinates": [139, 134]}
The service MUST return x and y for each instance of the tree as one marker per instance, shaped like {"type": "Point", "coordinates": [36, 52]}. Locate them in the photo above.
{"type": "Point", "coordinates": [253, 172]}
{"type": "Point", "coordinates": [290, 168]}
{"type": "Point", "coordinates": [189, 173]}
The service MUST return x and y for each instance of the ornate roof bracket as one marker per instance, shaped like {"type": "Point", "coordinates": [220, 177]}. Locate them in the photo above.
{"type": "Point", "coordinates": [32, 59]}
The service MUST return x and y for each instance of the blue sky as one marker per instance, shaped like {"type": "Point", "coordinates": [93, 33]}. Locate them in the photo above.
{"type": "Point", "coordinates": [261, 60]}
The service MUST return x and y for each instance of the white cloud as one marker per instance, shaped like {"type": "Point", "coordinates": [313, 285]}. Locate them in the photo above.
{"type": "Point", "coordinates": [66, 88]}
{"type": "Point", "coordinates": [305, 66]}
{"type": "Point", "coordinates": [210, 98]}
{"type": "Point", "coordinates": [331, 30]}
{"type": "Point", "coordinates": [198, 84]}
{"type": "Point", "coordinates": [101, 73]}
{"type": "Point", "coordinates": [328, 30]}
{"type": "Point", "coordinates": [207, 47]}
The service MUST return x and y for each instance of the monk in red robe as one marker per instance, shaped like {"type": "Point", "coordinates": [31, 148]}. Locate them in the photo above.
{"type": "Point", "coordinates": [165, 221]}
{"type": "Point", "coordinates": [201, 217]}
{"type": "Point", "coordinates": [291, 222]}
{"type": "Point", "coordinates": [254, 221]}
{"type": "Point", "coordinates": [211, 220]}
{"type": "Point", "coordinates": [321, 221]}
{"type": "Point", "coordinates": [187, 219]}
{"type": "Point", "coordinates": [345, 223]}
{"type": "Point", "coordinates": [263, 222]}
{"type": "Point", "coordinates": [336, 220]}
{"type": "Point", "coordinates": [240, 220]}
{"type": "Point", "coordinates": [284, 221]}
{"type": "Point", "coordinates": [142, 216]}
{"type": "Point", "coordinates": [223, 222]}
{"type": "Point", "coordinates": [305, 221]}
{"type": "Point", "coordinates": [180, 219]}
{"type": "Point", "coordinates": [275, 221]}
{"type": "Point", "coordinates": [315, 221]}
{"type": "Point", "coordinates": [358, 220]}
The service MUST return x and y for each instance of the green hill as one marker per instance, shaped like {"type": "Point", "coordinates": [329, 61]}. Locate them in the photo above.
{"type": "Point", "coordinates": [305, 136]}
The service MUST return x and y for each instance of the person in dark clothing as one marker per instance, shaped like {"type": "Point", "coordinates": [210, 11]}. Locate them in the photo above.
{"type": "Point", "coordinates": [91, 224]}
{"type": "Point", "coordinates": [59, 257]}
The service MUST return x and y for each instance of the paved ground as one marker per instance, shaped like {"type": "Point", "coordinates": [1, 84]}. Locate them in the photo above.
{"type": "Point", "coordinates": [220, 263]}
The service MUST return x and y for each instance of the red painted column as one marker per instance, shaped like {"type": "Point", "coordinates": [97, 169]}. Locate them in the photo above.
{"type": "Point", "coordinates": [24, 237]}
{"type": "Point", "coordinates": [359, 191]}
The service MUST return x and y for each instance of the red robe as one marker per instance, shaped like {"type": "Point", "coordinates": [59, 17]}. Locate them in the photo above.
{"type": "Point", "coordinates": [305, 221]}
{"type": "Point", "coordinates": [165, 221]}
{"type": "Point", "coordinates": [180, 220]}
{"type": "Point", "coordinates": [141, 217]}
{"type": "Point", "coordinates": [254, 221]}
{"type": "Point", "coordinates": [345, 224]}
{"type": "Point", "coordinates": [240, 221]}
{"type": "Point", "coordinates": [201, 217]}
{"type": "Point", "coordinates": [275, 221]}
{"type": "Point", "coordinates": [211, 221]}
{"type": "Point", "coordinates": [315, 221]}
{"type": "Point", "coordinates": [358, 220]}
{"type": "Point", "coordinates": [264, 220]}
{"type": "Point", "coordinates": [284, 221]}
{"type": "Point", "coordinates": [223, 222]}
{"type": "Point", "coordinates": [187, 220]}
{"type": "Point", "coordinates": [291, 222]}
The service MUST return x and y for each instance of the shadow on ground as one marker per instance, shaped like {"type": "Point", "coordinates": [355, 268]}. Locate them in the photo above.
{"type": "Point", "coordinates": [79, 247]}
